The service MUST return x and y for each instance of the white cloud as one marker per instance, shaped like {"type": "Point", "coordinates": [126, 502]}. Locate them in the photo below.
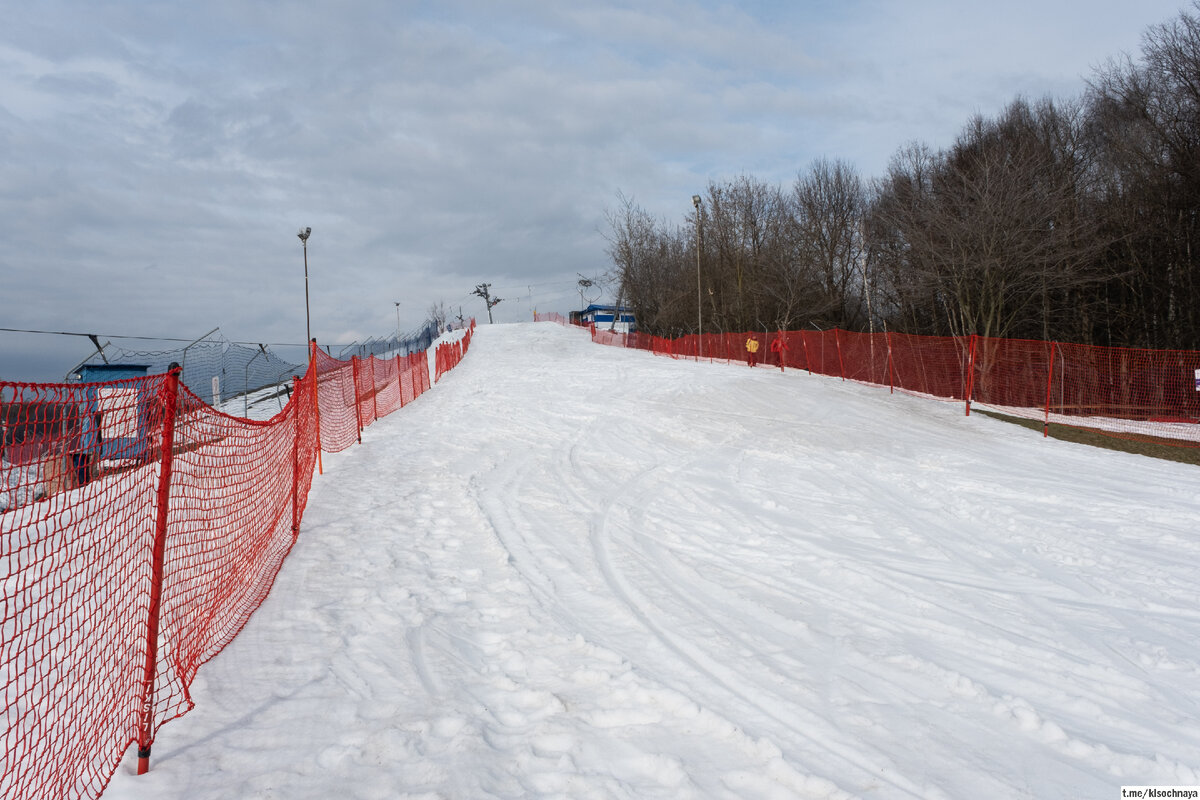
{"type": "Point", "coordinates": [156, 160]}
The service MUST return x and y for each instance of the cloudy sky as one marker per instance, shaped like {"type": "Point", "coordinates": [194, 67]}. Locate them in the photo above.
{"type": "Point", "coordinates": [157, 158]}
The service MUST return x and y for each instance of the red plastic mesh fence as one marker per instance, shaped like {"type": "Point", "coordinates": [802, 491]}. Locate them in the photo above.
{"type": "Point", "coordinates": [1149, 395]}
{"type": "Point", "coordinates": [77, 533]}
{"type": "Point", "coordinates": [448, 354]}
{"type": "Point", "coordinates": [139, 530]}
{"type": "Point", "coordinates": [935, 366]}
{"type": "Point", "coordinates": [353, 394]}
{"type": "Point", "coordinates": [552, 316]}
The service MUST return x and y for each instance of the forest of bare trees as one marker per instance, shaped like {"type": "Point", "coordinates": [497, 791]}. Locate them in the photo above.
{"type": "Point", "coordinates": [1072, 220]}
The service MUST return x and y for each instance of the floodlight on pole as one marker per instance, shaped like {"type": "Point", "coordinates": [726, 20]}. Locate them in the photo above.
{"type": "Point", "coordinates": [699, 306]}
{"type": "Point", "coordinates": [304, 234]}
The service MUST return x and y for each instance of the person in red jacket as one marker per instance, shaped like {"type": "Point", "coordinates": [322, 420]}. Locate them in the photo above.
{"type": "Point", "coordinates": [778, 347]}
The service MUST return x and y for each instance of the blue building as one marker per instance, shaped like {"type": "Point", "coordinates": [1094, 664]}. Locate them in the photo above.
{"type": "Point", "coordinates": [620, 320]}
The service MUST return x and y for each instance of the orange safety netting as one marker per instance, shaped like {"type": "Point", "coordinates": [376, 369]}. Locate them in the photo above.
{"type": "Point", "coordinates": [139, 530]}
{"type": "Point", "coordinates": [448, 354]}
{"type": "Point", "coordinates": [1149, 395]}
{"type": "Point", "coordinates": [551, 316]}
{"type": "Point", "coordinates": [353, 394]}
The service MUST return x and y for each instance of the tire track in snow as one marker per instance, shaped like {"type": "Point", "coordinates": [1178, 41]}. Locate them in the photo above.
{"type": "Point", "coordinates": [635, 489]}
{"type": "Point", "coordinates": [535, 560]}
{"type": "Point", "coordinates": [1035, 635]}
{"type": "Point", "coordinates": [965, 616]}
{"type": "Point", "coordinates": [796, 718]}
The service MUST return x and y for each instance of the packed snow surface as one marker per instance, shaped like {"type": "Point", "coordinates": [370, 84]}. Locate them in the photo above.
{"type": "Point", "coordinates": [582, 572]}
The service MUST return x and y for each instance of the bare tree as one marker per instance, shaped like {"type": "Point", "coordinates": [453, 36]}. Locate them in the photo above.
{"type": "Point", "coordinates": [991, 229]}
{"type": "Point", "coordinates": [651, 268]}
{"type": "Point", "coordinates": [438, 314]}
{"type": "Point", "coordinates": [1146, 127]}
{"type": "Point", "coordinates": [1077, 220]}
{"type": "Point", "coordinates": [830, 205]}
{"type": "Point", "coordinates": [482, 290]}
{"type": "Point", "coordinates": [897, 245]}
{"type": "Point", "coordinates": [748, 247]}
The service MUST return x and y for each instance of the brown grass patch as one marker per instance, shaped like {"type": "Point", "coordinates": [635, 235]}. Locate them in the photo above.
{"type": "Point", "coordinates": [1161, 448]}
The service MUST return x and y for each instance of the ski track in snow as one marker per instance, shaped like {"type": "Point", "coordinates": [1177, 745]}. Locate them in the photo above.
{"type": "Point", "coordinates": [574, 571]}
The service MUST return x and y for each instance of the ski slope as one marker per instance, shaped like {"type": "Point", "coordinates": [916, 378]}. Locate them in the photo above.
{"type": "Point", "coordinates": [581, 572]}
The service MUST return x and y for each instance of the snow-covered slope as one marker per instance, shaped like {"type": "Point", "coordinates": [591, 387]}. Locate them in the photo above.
{"type": "Point", "coordinates": [576, 571]}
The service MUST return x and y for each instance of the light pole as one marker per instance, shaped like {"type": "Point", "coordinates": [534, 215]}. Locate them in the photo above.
{"type": "Point", "coordinates": [304, 234]}
{"type": "Point", "coordinates": [397, 322]}
{"type": "Point", "coordinates": [699, 305]}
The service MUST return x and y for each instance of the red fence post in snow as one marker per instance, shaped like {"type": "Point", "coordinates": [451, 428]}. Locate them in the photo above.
{"type": "Point", "coordinates": [295, 460]}
{"type": "Point", "coordinates": [400, 382]}
{"type": "Point", "coordinates": [1049, 381]}
{"type": "Point", "coordinates": [357, 410]}
{"type": "Point", "coordinates": [169, 397]}
{"type": "Point", "coordinates": [970, 376]}
{"type": "Point", "coordinates": [891, 365]}
{"type": "Point", "coordinates": [312, 368]}
{"type": "Point", "coordinates": [374, 389]}
{"type": "Point", "coordinates": [838, 341]}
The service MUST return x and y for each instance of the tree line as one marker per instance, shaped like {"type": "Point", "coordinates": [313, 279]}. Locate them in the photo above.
{"type": "Point", "coordinates": [1070, 220]}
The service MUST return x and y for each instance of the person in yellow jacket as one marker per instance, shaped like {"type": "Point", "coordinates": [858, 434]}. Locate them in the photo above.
{"type": "Point", "coordinates": [752, 350]}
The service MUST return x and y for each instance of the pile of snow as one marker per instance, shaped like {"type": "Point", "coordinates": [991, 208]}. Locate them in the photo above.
{"type": "Point", "coordinates": [584, 572]}
{"type": "Point", "coordinates": [20, 484]}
